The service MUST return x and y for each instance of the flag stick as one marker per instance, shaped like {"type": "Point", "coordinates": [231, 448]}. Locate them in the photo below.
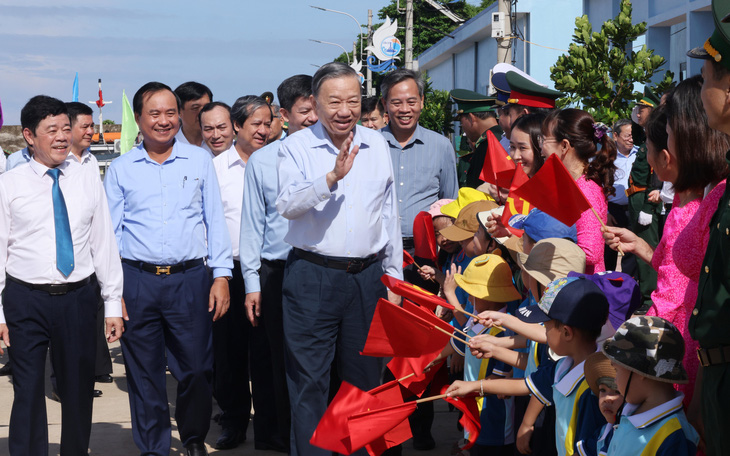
{"type": "Point", "coordinates": [476, 317]}
{"type": "Point", "coordinates": [419, 268]}
{"type": "Point", "coordinates": [620, 252]}
{"type": "Point", "coordinates": [432, 398]}
{"type": "Point", "coordinates": [451, 335]}
{"type": "Point", "coordinates": [406, 377]}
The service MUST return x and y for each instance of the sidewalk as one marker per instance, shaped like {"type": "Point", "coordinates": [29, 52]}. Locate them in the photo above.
{"type": "Point", "coordinates": [111, 434]}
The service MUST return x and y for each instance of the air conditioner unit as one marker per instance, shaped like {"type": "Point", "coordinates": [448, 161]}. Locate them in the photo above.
{"type": "Point", "coordinates": [117, 146]}
{"type": "Point", "coordinates": [498, 25]}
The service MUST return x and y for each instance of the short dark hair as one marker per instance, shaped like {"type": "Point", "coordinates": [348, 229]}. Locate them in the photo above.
{"type": "Point", "coordinates": [656, 127]}
{"type": "Point", "coordinates": [212, 105]}
{"type": "Point", "coordinates": [331, 70]}
{"type": "Point", "coordinates": [719, 70]}
{"type": "Point", "coordinates": [191, 90]}
{"type": "Point", "coordinates": [76, 109]}
{"type": "Point", "coordinates": [484, 114]}
{"type": "Point", "coordinates": [619, 124]}
{"type": "Point", "coordinates": [398, 76]}
{"type": "Point", "coordinates": [700, 150]}
{"type": "Point", "coordinates": [150, 88]}
{"type": "Point", "coordinates": [293, 88]}
{"type": "Point", "coordinates": [38, 108]}
{"type": "Point", "coordinates": [245, 106]}
{"type": "Point", "coordinates": [371, 104]}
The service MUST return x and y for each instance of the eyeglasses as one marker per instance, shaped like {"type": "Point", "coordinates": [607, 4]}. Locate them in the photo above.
{"type": "Point", "coordinates": [542, 140]}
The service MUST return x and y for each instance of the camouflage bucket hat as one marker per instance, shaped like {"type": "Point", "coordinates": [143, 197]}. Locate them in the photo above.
{"type": "Point", "coordinates": [649, 346]}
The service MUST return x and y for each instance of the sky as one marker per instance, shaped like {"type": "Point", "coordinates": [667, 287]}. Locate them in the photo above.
{"type": "Point", "coordinates": [235, 47]}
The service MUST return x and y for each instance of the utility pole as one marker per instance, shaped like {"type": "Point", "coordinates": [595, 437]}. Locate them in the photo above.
{"type": "Point", "coordinates": [504, 43]}
{"type": "Point", "coordinates": [409, 34]}
{"type": "Point", "coordinates": [369, 73]}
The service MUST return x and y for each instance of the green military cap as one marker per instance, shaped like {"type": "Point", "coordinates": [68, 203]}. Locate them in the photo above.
{"type": "Point", "coordinates": [268, 96]}
{"type": "Point", "coordinates": [650, 99]}
{"type": "Point", "coordinates": [717, 46]}
{"type": "Point", "coordinates": [528, 93]}
{"type": "Point", "coordinates": [469, 101]}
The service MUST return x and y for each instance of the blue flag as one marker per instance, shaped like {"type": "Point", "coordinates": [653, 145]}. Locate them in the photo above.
{"type": "Point", "coordinates": [75, 95]}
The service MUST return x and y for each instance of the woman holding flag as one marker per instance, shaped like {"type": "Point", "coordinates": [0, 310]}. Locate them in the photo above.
{"type": "Point", "coordinates": [683, 150]}
{"type": "Point", "coordinates": [574, 136]}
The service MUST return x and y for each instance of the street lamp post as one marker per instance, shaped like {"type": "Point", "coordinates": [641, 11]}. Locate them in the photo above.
{"type": "Point", "coordinates": [359, 26]}
{"type": "Point", "coordinates": [334, 44]}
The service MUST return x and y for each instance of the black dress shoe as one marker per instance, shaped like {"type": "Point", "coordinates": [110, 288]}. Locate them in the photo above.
{"type": "Point", "coordinates": [196, 449]}
{"type": "Point", "coordinates": [229, 438]}
{"type": "Point", "coordinates": [7, 369]}
{"type": "Point", "coordinates": [98, 393]}
{"type": "Point", "coordinates": [106, 378]}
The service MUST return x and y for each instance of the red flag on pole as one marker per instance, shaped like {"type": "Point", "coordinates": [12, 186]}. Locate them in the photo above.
{"type": "Point", "coordinates": [554, 191]}
{"type": "Point", "coordinates": [498, 166]}
{"type": "Point", "coordinates": [414, 293]}
{"type": "Point", "coordinates": [470, 419]}
{"type": "Point", "coordinates": [390, 393]}
{"type": "Point", "coordinates": [370, 426]}
{"type": "Point", "coordinates": [515, 205]}
{"type": "Point", "coordinates": [424, 237]}
{"type": "Point", "coordinates": [407, 258]}
{"type": "Point", "coordinates": [332, 433]}
{"type": "Point", "coordinates": [396, 332]}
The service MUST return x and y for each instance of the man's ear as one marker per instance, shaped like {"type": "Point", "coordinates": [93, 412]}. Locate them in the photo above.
{"type": "Point", "coordinates": [28, 136]}
{"type": "Point", "coordinates": [284, 115]}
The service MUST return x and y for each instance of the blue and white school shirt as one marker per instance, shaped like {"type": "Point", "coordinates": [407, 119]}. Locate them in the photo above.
{"type": "Point", "coordinates": [577, 416]}
{"type": "Point", "coordinates": [496, 416]}
{"type": "Point", "coordinates": [663, 430]}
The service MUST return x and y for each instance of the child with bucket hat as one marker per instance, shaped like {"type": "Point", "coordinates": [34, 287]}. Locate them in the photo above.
{"type": "Point", "coordinates": [647, 354]}
{"type": "Point", "coordinates": [488, 281]}
{"type": "Point", "coordinates": [574, 310]}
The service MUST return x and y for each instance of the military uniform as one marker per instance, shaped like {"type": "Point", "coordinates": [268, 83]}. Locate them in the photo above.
{"type": "Point", "coordinates": [710, 318]}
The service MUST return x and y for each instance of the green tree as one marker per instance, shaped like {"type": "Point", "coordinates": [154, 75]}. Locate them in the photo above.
{"type": "Point", "coordinates": [601, 68]}
{"type": "Point", "coordinates": [108, 122]}
{"type": "Point", "coordinates": [437, 112]}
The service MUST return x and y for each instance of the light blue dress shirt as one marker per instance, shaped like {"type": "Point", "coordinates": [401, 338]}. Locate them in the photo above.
{"type": "Point", "coordinates": [17, 158]}
{"type": "Point", "coordinates": [621, 176]}
{"type": "Point", "coordinates": [162, 212]}
{"type": "Point", "coordinates": [424, 171]}
{"type": "Point", "coordinates": [355, 218]}
{"type": "Point", "coordinates": [262, 227]}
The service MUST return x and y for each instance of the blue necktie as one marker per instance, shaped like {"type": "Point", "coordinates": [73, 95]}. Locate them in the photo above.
{"type": "Point", "coordinates": [64, 243]}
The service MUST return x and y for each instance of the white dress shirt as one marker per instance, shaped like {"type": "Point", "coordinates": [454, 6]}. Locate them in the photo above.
{"type": "Point", "coordinates": [3, 161]}
{"type": "Point", "coordinates": [28, 234]}
{"type": "Point", "coordinates": [180, 136]}
{"type": "Point", "coordinates": [87, 159]}
{"type": "Point", "coordinates": [621, 176]}
{"type": "Point", "coordinates": [355, 218]}
{"type": "Point", "coordinates": [230, 170]}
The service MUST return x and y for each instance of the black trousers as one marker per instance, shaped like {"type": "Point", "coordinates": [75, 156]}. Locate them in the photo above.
{"type": "Point", "coordinates": [37, 320]}
{"type": "Point", "coordinates": [272, 319]}
{"type": "Point", "coordinates": [327, 314]}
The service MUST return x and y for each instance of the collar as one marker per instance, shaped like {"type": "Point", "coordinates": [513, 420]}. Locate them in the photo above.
{"type": "Point", "coordinates": [322, 138]}
{"type": "Point", "coordinates": [40, 169]}
{"type": "Point", "coordinates": [633, 151]}
{"type": "Point", "coordinates": [570, 380]}
{"type": "Point", "coordinates": [84, 156]}
{"type": "Point", "coordinates": [418, 135]}
{"type": "Point", "coordinates": [650, 417]}
{"type": "Point", "coordinates": [26, 153]}
{"type": "Point", "coordinates": [140, 153]}
{"type": "Point", "coordinates": [232, 156]}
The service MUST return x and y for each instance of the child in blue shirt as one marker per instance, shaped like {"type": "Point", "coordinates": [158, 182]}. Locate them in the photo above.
{"type": "Point", "coordinates": [574, 310]}
{"type": "Point", "coordinates": [601, 379]}
{"type": "Point", "coordinates": [488, 280]}
{"type": "Point", "coordinates": [647, 354]}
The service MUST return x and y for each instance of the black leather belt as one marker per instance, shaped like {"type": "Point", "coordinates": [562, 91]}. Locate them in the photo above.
{"type": "Point", "coordinates": [408, 243]}
{"type": "Point", "coordinates": [714, 356]}
{"type": "Point", "coordinates": [349, 265]}
{"type": "Point", "coordinates": [54, 289]}
{"type": "Point", "coordinates": [274, 263]}
{"type": "Point", "coordinates": [164, 269]}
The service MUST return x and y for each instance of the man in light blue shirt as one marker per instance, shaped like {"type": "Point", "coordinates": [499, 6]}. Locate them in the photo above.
{"type": "Point", "coordinates": [336, 189]}
{"type": "Point", "coordinates": [168, 218]}
{"type": "Point", "coordinates": [18, 158]}
{"type": "Point", "coordinates": [262, 248]}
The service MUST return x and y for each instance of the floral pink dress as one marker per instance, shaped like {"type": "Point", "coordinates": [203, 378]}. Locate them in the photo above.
{"type": "Point", "coordinates": [590, 236]}
{"type": "Point", "coordinates": [669, 297]}
{"type": "Point", "coordinates": [688, 252]}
